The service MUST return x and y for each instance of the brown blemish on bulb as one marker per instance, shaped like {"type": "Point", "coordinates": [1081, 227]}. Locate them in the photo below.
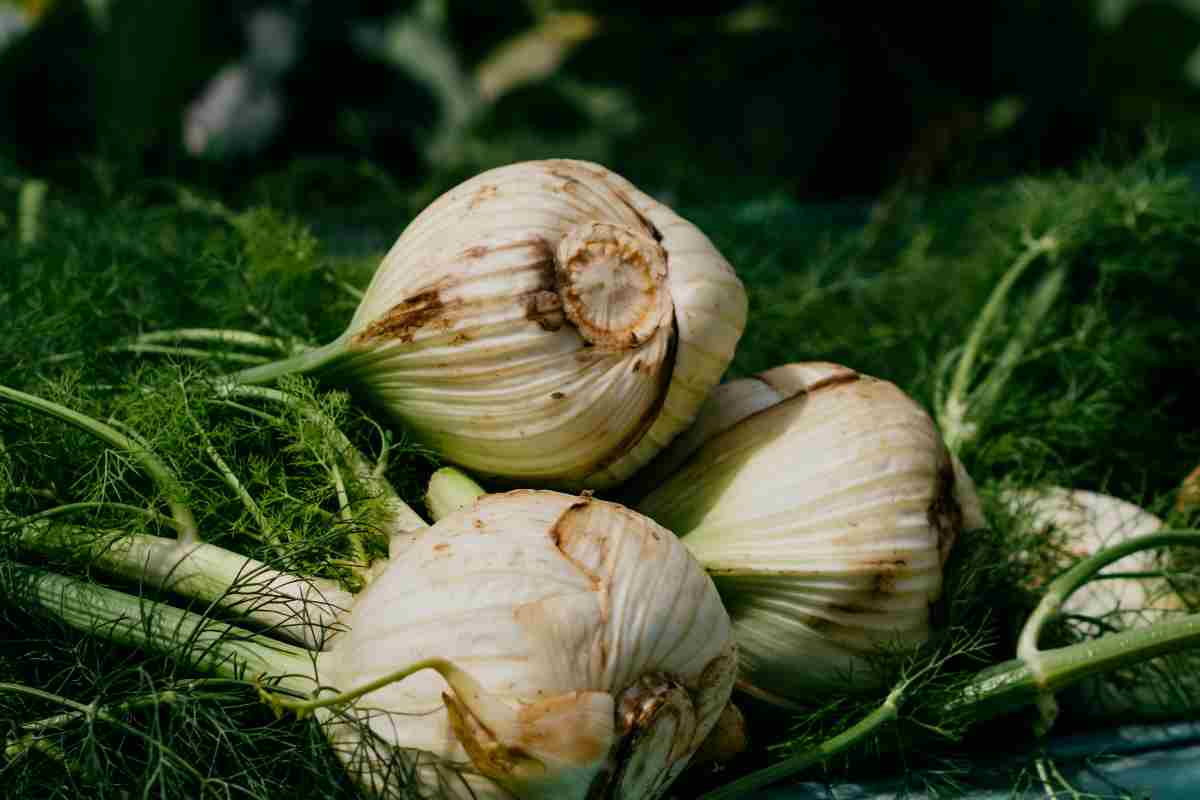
{"type": "Point", "coordinates": [778, 379]}
{"type": "Point", "coordinates": [542, 723]}
{"type": "Point", "coordinates": [571, 173]}
{"type": "Point", "coordinates": [545, 308]}
{"type": "Point", "coordinates": [726, 741]}
{"type": "Point", "coordinates": [650, 227]}
{"type": "Point", "coordinates": [570, 185]}
{"type": "Point", "coordinates": [482, 195]}
{"type": "Point", "coordinates": [884, 583]}
{"type": "Point", "coordinates": [571, 525]}
{"type": "Point", "coordinates": [404, 319]}
{"type": "Point", "coordinates": [630, 440]}
{"type": "Point", "coordinates": [557, 395]}
{"type": "Point", "coordinates": [639, 702]}
{"type": "Point", "coordinates": [547, 273]}
{"type": "Point", "coordinates": [852, 608]}
{"type": "Point", "coordinates": [564, 168]}
{"type": "Point", "coordinates": [821, 625]}
{"type": "Point", "coordinates": [499, 761]}
{"type": "Point", "coordinates": [478, 251]}
{"type": "Point", "coordinates": [656, 715]}
{"type": "Point", "coordinates": [718, 671]}
{"type": "Point", "coordinates": [945, 515]}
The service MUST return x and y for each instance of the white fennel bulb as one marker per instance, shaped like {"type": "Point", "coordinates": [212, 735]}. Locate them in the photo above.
{"type": "Point", "coordinates": [544, 323]}
{"type": "Point", "coordinates": [590, 655]}
{"type": "Point", "coordinates": [530, 645]}
{"type": "Point", "coordinates": [824, 504]}
{"type": "Point", "coordinates": [1083, 523]}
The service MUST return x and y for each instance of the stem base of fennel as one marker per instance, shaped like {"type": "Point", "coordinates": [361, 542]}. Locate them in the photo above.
{"type": "Point", "coordinates": [204, 644]}
{"type": "Point", "coordinates": [307, 362]}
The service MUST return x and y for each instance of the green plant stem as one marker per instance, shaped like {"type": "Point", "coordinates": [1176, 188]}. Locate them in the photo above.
{"type": "Point", "coordinates": [188, 352]}
{"type": "Point", "coordinates": [19, 747]}
{"type": "Point", "coordinates": [232, 481]}
{"type": "Point", "coordinates": [361, 563]}
{"type": "Point", "coordinates": [36, 731]}
{"type": "Point", "coordinates": [886, 713]}
{"type": "Point", "coordinates": [71, 508]}
{"type": "Point", "coordinates": [352, 291]}
{"type": "Point", "coordinates": [303, 610]}
{"type": "Point", "coordinates": [1062, 587]}
{"type": "Point", "coordinates": [182, 352]}
{"type": "Point", "coordinates": [31, 201]}
{"type": "Point", "coordinates": [400, 515]}
{"type": "Point", "coordinates": [158, 471]}
{"type": "Point", "coordinates": [385, 450]}
{"type": "Point", "coordinates": [303, 363]}
{"type": "Point", "coordinates": [1012, 684]}
{"type": "Point", "coordinates": [219, 648]}
{"type": "Point", "coordinates": [955, 408]}
{"type": "Point", "coordinates": [1026, 680]}
{"type": "Point", "coordinates": [1034, 311]}
{"type": "Point", "coordinates": [450, 490]}
{"type": "Point", "coordinates": [222, 336]}
{"type": "Point", "coordinates": [302, 708]}
{"type": "Point", "coordinates": [181, 691]}
{"type": "Point", "coordinates": [998, 690]}
{"type": "Point", "coordinates": [492, 712]}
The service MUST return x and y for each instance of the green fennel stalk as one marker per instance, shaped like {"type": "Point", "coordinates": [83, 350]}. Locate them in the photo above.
{"type": "Point", "coordinates": [228, 651]}
{"type": "Point", "coordinates": [1026, 680]}
{"type": "Point", "coordinates": [1100, 400]}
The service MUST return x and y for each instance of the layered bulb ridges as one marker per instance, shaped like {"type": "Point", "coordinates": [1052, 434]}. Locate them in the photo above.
{"type": "Point", "coordinates": [824, 503]}
{"type": "Point", "coordinates": [589, 656]}
{"type": "Point", "coordinates": [546, 324]}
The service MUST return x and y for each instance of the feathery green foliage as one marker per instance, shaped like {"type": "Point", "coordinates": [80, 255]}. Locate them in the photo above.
{"type": "Point", "coordinates": [1083, 378]}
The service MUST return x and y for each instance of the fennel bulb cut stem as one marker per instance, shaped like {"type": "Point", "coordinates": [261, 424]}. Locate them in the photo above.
{"type": "Point", "coordinates": [450, 490]}
{"type": "Point", "coordinates": [207, 645]}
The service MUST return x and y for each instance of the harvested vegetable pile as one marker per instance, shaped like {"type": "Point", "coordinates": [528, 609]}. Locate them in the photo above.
{"type": "Point", "coordinates": [991, 396]}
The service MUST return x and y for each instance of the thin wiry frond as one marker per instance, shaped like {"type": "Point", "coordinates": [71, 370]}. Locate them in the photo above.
{"type": "Point", "coordinates": [1083, 378]}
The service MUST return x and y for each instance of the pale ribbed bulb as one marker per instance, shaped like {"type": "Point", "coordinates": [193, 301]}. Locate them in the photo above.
{"type": "Point", "coordinates": [824, 504]}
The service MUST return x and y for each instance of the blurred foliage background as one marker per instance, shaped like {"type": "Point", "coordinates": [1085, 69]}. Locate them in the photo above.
{"type": "Point", "coordinates": [730, 100]}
